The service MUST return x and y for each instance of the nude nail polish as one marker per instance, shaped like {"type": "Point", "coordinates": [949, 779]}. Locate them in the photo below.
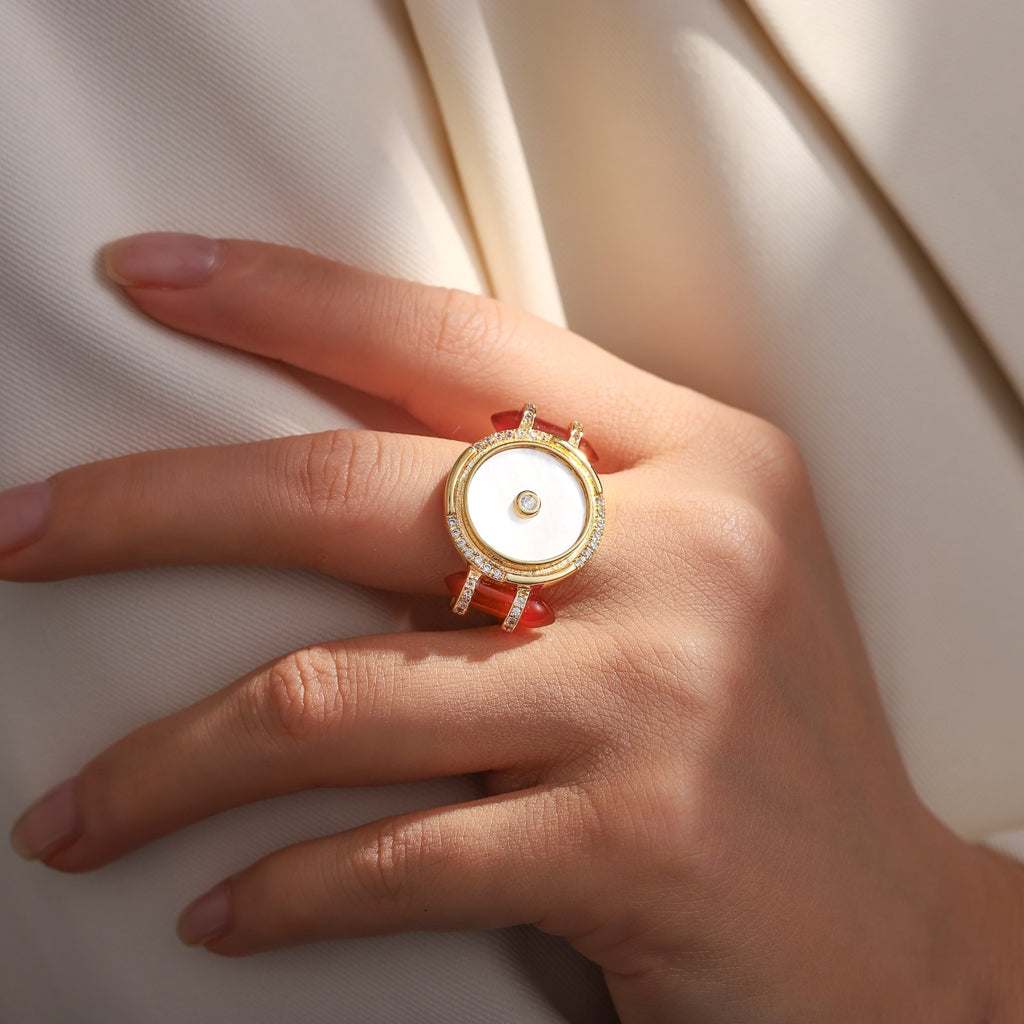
{"type": "Point", "coordinates": [24, 513]}
{"type": "Point", "coordinates": [51, 823]}
{"type": "Point", "coordinates": [162, 259]}
{"type": "Point", "coordinates": [208, 918]}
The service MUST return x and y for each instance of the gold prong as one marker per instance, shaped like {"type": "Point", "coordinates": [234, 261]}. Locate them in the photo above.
{"type": "Point", "coordinates": [529, 414]}
{"type": "Point", "coordinates": [461, 603]}
{"type": "Point", "coordinates": [516, 611]}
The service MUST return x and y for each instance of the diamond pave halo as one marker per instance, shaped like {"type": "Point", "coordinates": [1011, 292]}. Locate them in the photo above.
{"type": "Point", "coordinates": [524, 508]}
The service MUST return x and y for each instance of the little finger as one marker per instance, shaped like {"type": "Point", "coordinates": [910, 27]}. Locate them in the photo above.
{"type": "Point", "coordinates": [490, 864]}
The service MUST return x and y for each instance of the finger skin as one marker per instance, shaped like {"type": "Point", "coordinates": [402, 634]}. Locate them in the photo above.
{"type": "Point", "coordinates": [449, 357]}
{"type": "Point", "coordinates": [370, 711]}
{"type": "Point", "coordinates": [487, 864]}
{"type": "Point", "coordinates": [358, 504]}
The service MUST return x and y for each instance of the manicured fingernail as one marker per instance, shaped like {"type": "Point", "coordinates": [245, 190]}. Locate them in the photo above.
{"type": "Point", "coordinates": [51, 823]}
{"type": "Point", "coordinates": [208, 918]}
{"type": "Point", "coordinates": [162, 259]}
{"type": "Point", "coordinates": [24, 513]}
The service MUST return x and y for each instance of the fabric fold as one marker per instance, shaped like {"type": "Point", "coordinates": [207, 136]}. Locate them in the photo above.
{"type": "Point", "coordinates": [480, 123]}
{"type": "Point", "coordinates": [928, 99]}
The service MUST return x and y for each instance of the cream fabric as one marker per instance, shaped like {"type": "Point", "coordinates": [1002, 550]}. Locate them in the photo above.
{"type": "Point", "coordinates": [724, 234]}
{"type": "Point", "coordinates": [797, 207]}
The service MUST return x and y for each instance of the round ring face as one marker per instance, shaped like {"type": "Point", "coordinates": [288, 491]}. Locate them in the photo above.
{"type": "Point", "coordinates": [525, 506]}
{"type": "Point", "coordinates": [501, 483]}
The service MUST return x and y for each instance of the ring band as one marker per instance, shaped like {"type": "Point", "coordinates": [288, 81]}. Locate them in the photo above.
{"type": "Point", "coordinates": [525, 508]}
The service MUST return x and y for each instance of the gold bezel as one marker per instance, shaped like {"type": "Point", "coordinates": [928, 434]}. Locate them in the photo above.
{"type": "Point", "coordinates": [486, 559]}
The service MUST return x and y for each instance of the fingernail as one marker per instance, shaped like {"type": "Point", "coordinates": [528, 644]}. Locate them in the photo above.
{"type": "Point", "coordinates": [24, 513]}
{"type": "Point", "coordinates": [208, 918]}
{"type": "Point", "coordinates": [162, 259]}
{"type": "Point", "coordinates": [51, 823]}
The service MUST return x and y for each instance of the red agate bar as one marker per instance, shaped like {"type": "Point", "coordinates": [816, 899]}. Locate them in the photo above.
{"type": "Point", "coordinates": [496, 599]}
{"type": "Point", "coordinates": [509, 420]}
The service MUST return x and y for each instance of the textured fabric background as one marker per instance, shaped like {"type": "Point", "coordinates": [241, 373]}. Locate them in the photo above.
{"type": "Point", "coordinates": [799, 207]}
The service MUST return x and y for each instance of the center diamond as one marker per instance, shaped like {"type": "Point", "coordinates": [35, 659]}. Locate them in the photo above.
{"type": "Point", "coordinates": [527, 503]}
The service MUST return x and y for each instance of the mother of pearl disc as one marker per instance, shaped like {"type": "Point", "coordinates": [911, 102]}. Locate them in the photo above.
{"type": "Point", "coordinates": [491, 495]}
{"type": "Point", "coordinates": [491, 499]}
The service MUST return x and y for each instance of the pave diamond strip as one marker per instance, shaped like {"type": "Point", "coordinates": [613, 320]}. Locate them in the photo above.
{"type": "Point", "coordinates": [526, 420]}
{"type": "Point", "coordinates": [516, 611]}
{"type": "Point", "coordinates": [576, 433]}
{"type": "Point", "coordinates": [462, 602]}
{"type": "Point", "coordinates": [519, 434]}
{"type": "Point", "coordinates": [470, 553]}
{"type": "Point", "coordinates": [595, 538]}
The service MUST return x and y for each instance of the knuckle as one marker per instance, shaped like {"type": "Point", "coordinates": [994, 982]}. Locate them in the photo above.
{"type": "Point", "coordinates": [336, 473]}
{"type": "Point", "coordinates": [300, 696]}
{"type": "Point", "coordinates": [674, 658]}
{"type": "Point", "coordinates": [659, 675]}
{"type": "Point", "coordinates": [464, 323]}
{"type": "Point", "coordinates": [716, 669]}
{"type": "Point", "coordinates": [771, 458]}
{"type": "Point", "coordinates": [699, 676]}
{"type": "Point", "coordinates": [738, 554]}
{"type": "Point", "coordinates": [386, 867]}
{"type": "Point", "coordinates": [315, 286]}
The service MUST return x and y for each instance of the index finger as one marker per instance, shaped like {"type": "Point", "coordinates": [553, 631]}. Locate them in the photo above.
{"type": "Point", "coordinates": [449, 357]}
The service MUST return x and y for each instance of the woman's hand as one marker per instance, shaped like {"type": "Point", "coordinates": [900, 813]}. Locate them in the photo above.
{"type": "Point", "coordinates": [689, 774]}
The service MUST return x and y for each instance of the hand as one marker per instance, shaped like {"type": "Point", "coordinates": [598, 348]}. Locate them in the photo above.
{"type": "Point", "coordinates": [689, 774]}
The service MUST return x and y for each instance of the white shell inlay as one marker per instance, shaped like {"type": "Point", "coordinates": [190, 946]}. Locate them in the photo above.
{"type": "Point", "coordinates": [490, 504]}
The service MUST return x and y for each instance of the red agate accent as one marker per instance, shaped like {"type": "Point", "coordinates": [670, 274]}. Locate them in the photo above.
{"type": "Point", "coordinates": [496, 599]}
{"type": "Point", "coordinates": [510, 421]}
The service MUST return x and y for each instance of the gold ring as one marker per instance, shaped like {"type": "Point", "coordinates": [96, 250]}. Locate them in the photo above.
{"type": "Point", "coordinates": [525, 509]}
